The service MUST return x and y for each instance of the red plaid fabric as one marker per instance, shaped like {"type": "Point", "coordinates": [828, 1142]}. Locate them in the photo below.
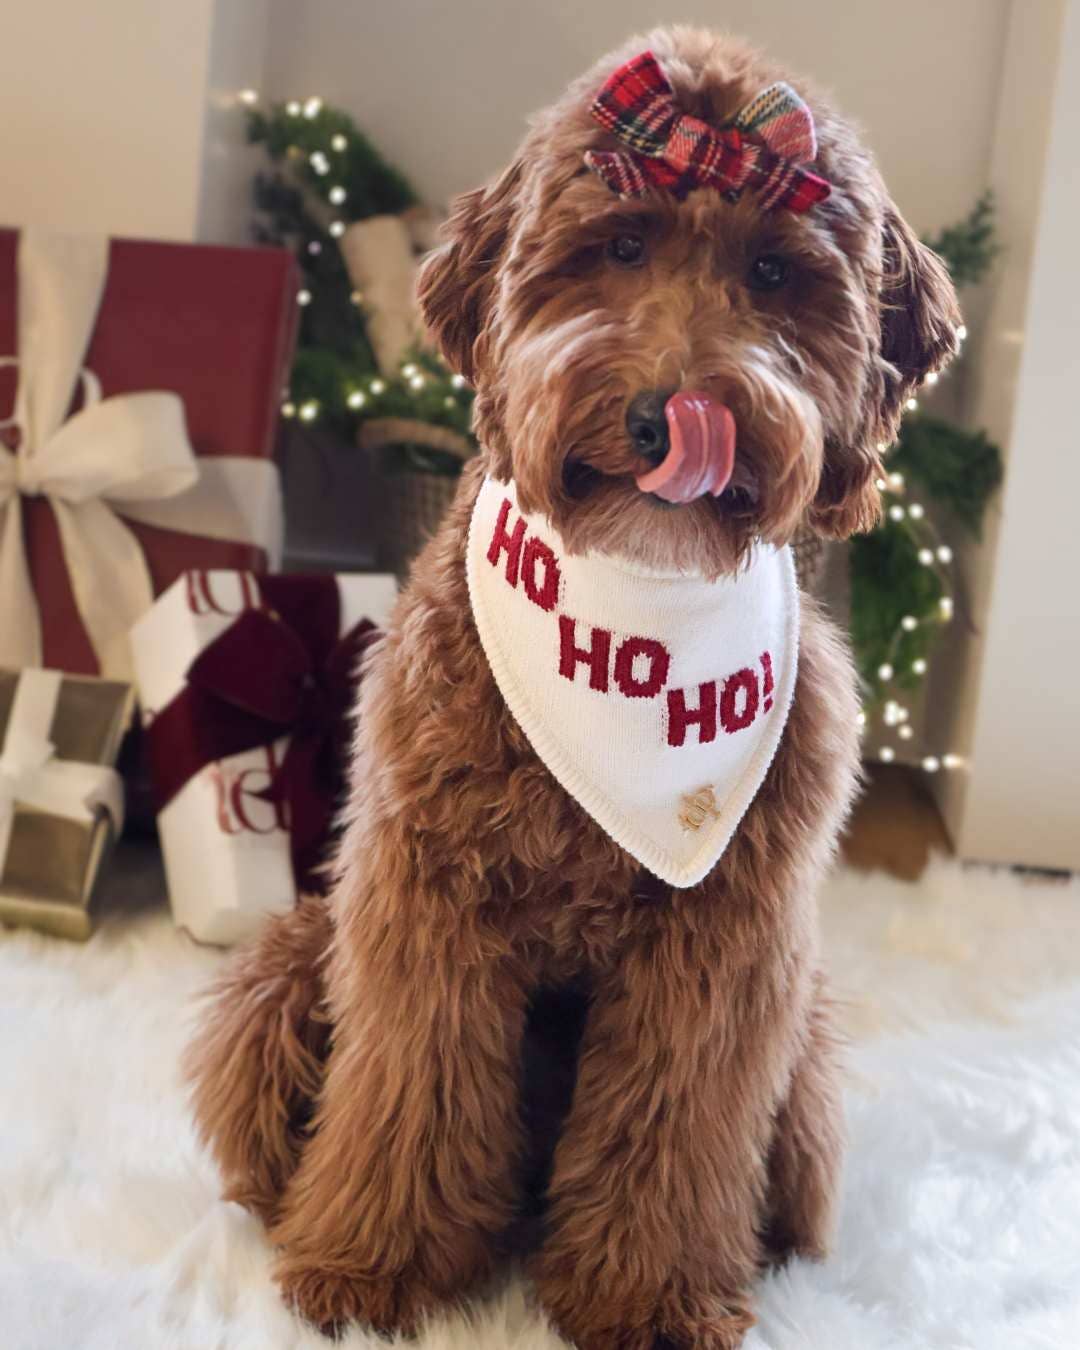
{"type": "Point", "coordinates": [678, 153]}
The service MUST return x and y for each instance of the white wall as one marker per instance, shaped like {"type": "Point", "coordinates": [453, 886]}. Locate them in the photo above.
{"type": "Point", "coordinates": [1018, 717]}
{"type": "Point", "coordinates": [95, 100]}
{"type": "Point", "coordinates": [444, 86]}
{"type": "Point", "coordinates": [116, 115]}
{"type": "Point", "coordinates": [239, 40]}
{"type": "Point", "coordinates": [120, 117]}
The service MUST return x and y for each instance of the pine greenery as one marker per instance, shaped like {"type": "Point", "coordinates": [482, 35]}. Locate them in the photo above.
{"type": "Point", "coordinates": [956, 471]}
{"type": "Point", "coordinates": [317, 154]}
{"type": "Point", "coordinates": [970, 246]}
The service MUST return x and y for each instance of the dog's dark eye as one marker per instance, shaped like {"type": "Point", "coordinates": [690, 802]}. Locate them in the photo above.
{"type": "Point", "coordinates": [769, 272]}
{"type": "Point", "coordinates": [627, 250]}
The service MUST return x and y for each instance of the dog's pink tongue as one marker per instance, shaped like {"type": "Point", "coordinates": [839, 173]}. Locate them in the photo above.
{"type": "Point", "coordinates": [702, 452]}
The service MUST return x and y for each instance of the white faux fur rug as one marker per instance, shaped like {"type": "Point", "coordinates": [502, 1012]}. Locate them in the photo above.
{"type": "Point", "coordinates": [961, 1213]}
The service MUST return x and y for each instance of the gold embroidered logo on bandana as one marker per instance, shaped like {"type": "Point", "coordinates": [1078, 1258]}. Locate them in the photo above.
{"type": "Point", "coordinates": [697, 807]}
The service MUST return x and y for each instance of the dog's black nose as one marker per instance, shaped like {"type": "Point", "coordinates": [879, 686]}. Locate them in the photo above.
{"type": "Point", "coordinates": [647, 425]}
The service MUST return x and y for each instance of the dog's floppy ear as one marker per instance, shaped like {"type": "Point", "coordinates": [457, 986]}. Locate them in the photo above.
{"type": "Point", "coordinates": [456, 281]}
{"type": "Point", "coordinates": [919, 317]}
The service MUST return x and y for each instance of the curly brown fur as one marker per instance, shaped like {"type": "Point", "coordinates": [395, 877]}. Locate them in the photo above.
{"type": "Point", "coordinates": [256, 1065]}
{"type": "Point", "coordinates": [704, 1132]}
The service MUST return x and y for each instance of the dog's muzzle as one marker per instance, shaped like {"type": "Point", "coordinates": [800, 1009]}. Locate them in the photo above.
{"type": "Point", "coordinates": [688, 438]}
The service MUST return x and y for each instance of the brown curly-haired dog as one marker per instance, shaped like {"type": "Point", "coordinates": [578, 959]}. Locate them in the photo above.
{"type": "Point", "coordinates": [359, 1075]}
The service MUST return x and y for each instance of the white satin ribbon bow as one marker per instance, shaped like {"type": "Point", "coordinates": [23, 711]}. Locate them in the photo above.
{"type": "Point", "coordinates": [31, 776]}
{"type": "Point", "coordinates": [125, 456]}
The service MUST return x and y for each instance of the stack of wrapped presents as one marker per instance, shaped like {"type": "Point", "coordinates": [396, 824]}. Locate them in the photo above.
{"type": "Point", "coordinates": [140, 539]}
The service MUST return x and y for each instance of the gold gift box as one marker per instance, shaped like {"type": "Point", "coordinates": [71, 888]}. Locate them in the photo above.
{"type": "Point", "coordinates": [53, 864]}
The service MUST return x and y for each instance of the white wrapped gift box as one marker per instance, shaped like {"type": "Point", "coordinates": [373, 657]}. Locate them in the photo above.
{"type": "Point", "coordinates": [226, 848]}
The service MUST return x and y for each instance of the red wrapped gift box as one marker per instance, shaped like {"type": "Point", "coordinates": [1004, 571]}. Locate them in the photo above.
{"type": "Point", "coordinates": [215, 326]}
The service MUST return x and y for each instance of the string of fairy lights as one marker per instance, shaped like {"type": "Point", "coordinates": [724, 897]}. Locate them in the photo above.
{"type": "Point", "coordinates": [933, 551]}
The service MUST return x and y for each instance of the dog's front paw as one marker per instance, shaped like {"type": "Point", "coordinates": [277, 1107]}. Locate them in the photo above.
{"type": "Point", "coordinates": [331, 1299]}
{"type": "Point", "coordinates": [673, 1323]}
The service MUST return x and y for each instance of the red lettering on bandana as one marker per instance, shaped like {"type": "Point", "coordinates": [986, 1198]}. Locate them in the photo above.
{"type": "Point", "coordinates": [510, 542]}
{"type": "Point", "coordinates": [703, 716]}
{"type": "Point", "coordinates": [731, 719]}
{"type": "Point", "coordinates": [596, 656]}
{"type": "Point", "coordinates": [767, 686]}
{"type": "Point", "coordinates": [547, 594]}
{"type": "Point", "coordinates": [642, 665]}
{"type": "Point", "coordinates": [659, 659]}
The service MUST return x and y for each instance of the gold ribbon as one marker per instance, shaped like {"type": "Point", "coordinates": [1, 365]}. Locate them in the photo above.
{"type": "Point", "coordinates": [32, 777]}
{"type": "Point", "coordinates": [126, 456]}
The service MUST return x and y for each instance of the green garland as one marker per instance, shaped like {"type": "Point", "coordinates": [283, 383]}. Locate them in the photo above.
{"type": "Point", "coordinates": [970, 246]}
{"type": "Point", "coordinates": [900, 570]}
{"type": "Point", "coordinates": [425, 391]}
{"type": "Point", "coordinates": [326, 151]}
{"type": "Point", "coordinates": [959, 469]}
{"type": "Point", "coordinates": [900, 576]}
{"type": "Point", "coordinates": [889, 584]}
{"type": "Point", "coordinates": [325, 175]}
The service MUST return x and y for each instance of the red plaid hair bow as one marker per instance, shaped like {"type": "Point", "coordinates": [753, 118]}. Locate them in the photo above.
{"type": "Point", "coordinates": [763, 149]}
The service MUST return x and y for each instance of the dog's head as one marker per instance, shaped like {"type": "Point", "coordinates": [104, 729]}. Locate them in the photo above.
{"type": "Point", "coordinates": [577, 315]}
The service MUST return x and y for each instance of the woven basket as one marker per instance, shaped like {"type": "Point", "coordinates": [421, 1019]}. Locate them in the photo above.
{"type": "Point", "coordinates": [411, 504]}
{"type": "Point", "coordinates": [809, 553]}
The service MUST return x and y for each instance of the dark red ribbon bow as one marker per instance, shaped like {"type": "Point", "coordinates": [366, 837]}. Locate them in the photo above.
{"type": "Point", "coordinates": [282, 670]}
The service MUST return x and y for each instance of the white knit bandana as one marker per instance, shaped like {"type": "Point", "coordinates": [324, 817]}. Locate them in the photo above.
{"type": "Point", "coordinates": [657, 700]}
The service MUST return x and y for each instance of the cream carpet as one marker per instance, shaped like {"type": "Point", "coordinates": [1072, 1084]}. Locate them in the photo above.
{"type": "Point", "coordinates": [961, 1212]}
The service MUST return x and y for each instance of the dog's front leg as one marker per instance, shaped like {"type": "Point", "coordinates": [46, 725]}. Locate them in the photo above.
{"type": "Point", "coordinates": [804, 1162]}
{"type": "Point", "coordinates": [659, 1176]}
{"type": "Point", "coordinates": [409, 1171]}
